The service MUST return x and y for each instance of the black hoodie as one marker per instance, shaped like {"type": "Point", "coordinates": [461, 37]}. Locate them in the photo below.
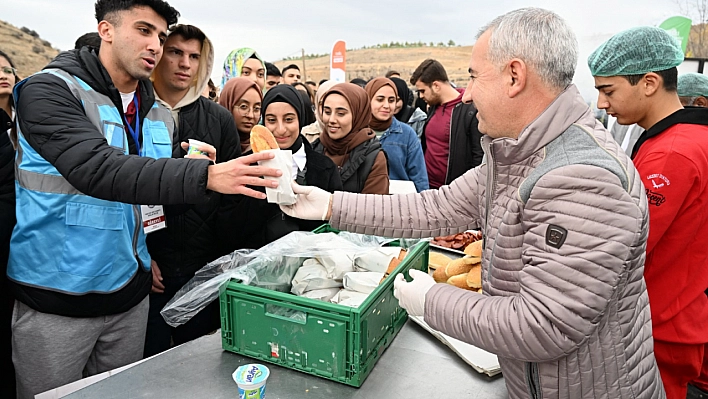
{"type": "Point", "coordinates": [54, 123]}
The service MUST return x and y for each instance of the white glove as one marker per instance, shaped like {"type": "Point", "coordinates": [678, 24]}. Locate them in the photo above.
{"type": "Point", "coordinates": [411, 296]}
{"type": "Point", "coordinates": [312, 203]}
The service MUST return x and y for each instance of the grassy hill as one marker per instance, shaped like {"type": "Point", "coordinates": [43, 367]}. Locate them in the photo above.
{"type": "Point", "coordinates": [28, 51]}
{"type": "Point", "coordinates": [369, 63]}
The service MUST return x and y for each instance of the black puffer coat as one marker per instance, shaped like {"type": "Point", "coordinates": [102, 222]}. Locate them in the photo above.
{"type": "Point", "coordinates": [195, 234]}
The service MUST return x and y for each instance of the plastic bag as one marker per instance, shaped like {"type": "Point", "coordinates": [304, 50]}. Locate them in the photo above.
{"type": "Point", "coordinates": [364, 282]}
{"type": "Point", "coordinates": [283, 194]}
{"type": "Point", "coordinates": [312, 276]}
{"type": "Point", "coordinates": [349, 298]}
{"type": "Point", "coordinates": [376, 261]}
{"type": "Point", "coordinates": [272, 266]}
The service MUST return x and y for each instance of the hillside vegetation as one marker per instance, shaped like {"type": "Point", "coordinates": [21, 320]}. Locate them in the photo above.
{"type": "Point", "coordinates": [28, 51]}
{"type": "Point", "coordinates": [372, 62]}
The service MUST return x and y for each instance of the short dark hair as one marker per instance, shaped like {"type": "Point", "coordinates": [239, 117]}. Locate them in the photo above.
{"type": "Point", "coordinates": [428, 72]}
{"type": "Point", "coordinates": [311, 83]}
{"type": "Point", "coordinates": [670, 77]}
{"type": "Point", "coordinates": [391, 73]}
{"type": "Point", "coordinates": [359, 82]}
{"type": "Point", "coordinates": [107, 9]}
{"type": "Point", "coordinates": [307, 88]}
{"type": "Point", "coordinates": [291, 66]}
{"type": "Point", "coordinates": [272, 70]}
{"type": "Point", "coordinates": [321, 81]}
{"type": "Point", "coordinates": [188, 32]}
{"type": "Point", "coordinates": [91, 39]}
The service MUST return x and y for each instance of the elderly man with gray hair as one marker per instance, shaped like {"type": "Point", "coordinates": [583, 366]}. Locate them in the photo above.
{"type": "Point", "coordinates": [693, 89]}
{"type": "Point", "coordinates": [564, 217]}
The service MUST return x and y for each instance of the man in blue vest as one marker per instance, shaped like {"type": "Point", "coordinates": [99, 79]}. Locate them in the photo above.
{"type": "Point", "coordinates": [92, 170]}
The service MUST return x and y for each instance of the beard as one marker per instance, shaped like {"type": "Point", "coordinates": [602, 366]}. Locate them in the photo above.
{"type": "Point", "coordinates": [435, 100]}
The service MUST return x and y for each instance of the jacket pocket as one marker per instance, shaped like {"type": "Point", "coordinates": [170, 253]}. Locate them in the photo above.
{"type": "Point", "coordinates": [533, 381]}
{"type": "Point", "coordinates": [160, 138]}
{"type": "Point", "coordinates": [93, 234]}
{"type": "Point", "coordinates": [115, 135]}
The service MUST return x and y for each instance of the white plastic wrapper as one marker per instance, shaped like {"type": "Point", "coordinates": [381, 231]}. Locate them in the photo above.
{"type": "Point", "coordinates": [349, 298]}
{"type": "Point", "coordinates": [337, 265]}
{"type": "Point", "coordinates": [322, 295]}
{"type": "Point", "coordinates": [272, 267]}
{"type": "Point", "coordinates": [377, 260]}
{"type": "Point", "coordinates": [312, 276]}
{"type": "Point", "coordinates": [283, 194]}
{"type": "Point", "coordinates": [364, 282]}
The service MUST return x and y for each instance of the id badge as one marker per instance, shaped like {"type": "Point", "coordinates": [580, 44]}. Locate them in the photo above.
{"type": "Point", "coordinates": [153, 218]}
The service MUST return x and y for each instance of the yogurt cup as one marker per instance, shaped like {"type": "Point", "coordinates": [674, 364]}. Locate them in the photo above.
{"type": "Point", "coordinates": [251, 380]}
{"type": "Point", "coordinates": [194, 147]}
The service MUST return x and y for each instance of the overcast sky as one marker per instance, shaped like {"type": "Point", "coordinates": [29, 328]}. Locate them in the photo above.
{"type": "Point", "coordinates": [278, 28]}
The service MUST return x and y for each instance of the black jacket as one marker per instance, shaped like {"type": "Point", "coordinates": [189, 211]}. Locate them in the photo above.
{"type": "Point", "coordinates": [320, 172]}
{"type": "Point", "coordinates": [54, 123]}
{"type": "Point", "coordinates": [7, 193]}
{"type": "Point", "coordinates": [195, 233]}
{"type": "Point", "coordinates": [465, 140]}
{"type": "Point", "coordinates": [357, 167]}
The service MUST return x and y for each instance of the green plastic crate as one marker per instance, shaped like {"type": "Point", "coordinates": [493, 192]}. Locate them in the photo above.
{"type": "Point", "coordinates": [332, 341]}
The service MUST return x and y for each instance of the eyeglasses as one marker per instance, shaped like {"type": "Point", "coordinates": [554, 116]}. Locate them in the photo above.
{"type": "Point", "coordinates": [8, 70]}
{"type": "Point", "coordinates": [245, 110]}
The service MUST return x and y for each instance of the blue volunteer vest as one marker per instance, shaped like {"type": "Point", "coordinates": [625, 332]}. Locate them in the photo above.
{"type": "Point", "coordinates": [67, 241]}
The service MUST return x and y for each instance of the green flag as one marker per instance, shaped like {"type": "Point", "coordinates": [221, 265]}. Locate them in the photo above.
{"type": "Point", "coordinates": [678, 27]}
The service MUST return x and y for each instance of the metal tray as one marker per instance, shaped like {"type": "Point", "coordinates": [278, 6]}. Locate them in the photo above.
{"type": "Point", "coordinates": [447, 251]}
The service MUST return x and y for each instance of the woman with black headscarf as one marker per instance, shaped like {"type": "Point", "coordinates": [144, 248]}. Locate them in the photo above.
{"type": "Point", "coordinates": [406, 110]}
{"type": "Point", "coordinates": [284, 113]}
{"type": "Point", "coordinates": [309, 110]}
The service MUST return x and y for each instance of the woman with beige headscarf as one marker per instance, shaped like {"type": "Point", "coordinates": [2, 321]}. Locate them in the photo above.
{"type": "Point", "coordinates": [350, 143]}
{"type": "Point", "coordinates": [243, 98]}
{"type": "Point", "coordinates": [313, 131]}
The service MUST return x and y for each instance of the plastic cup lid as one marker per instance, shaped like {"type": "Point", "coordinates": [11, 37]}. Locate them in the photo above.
{"type": "Point", "coordinates": [194, 142]}
{"type": "Point", "coordinates": [250, 375]}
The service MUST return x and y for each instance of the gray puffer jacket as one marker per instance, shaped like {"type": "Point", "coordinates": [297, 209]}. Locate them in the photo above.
{"type": "Point", "coordinates": [565, 220]}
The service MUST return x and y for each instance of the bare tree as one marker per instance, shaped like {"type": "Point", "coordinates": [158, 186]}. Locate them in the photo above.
{"type": "Point", "coordinates": [697, 10]}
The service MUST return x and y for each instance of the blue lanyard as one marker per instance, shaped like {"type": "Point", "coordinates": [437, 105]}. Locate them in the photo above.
{"type": "Point", "coordinates": [135, 133]}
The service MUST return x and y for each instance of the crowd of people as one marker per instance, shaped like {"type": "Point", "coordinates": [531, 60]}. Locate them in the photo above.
{"type": "Point", "coordinates": [595, 241]}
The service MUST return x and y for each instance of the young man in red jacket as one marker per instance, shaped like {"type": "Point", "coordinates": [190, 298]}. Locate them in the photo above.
{"type": "Point", "coordinates": [635, 74]}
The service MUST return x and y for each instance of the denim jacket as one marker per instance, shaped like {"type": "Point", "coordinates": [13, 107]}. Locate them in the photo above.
{"type": "Point", "coordinates": [405, 155]}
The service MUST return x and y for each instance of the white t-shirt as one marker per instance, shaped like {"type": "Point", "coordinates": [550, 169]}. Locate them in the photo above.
{"type": "Point", "coordinates": [127, 98]}
{"type": "Point", "coordinates": [625, 142]}
{"type": "Point", "coordinates": [299, 161]}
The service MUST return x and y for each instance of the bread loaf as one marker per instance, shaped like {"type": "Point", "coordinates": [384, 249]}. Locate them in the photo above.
{"type": "Point", "coordinates": [437, 261]}
{"type": "Point", "coordinates": [439, 275]}
{"type": "Point", "coordinates": [262, 139]}
{"type": "Point", "coordinates": [459, 281]}
{"type": "Point", "coordinates": [474, 277]}
{"type": "Point", "coordinates": [394, 264]}
{"type": "Point", "coordinates": [460, 266]}
{"type": "Point", "coordinates": [474, 249]}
